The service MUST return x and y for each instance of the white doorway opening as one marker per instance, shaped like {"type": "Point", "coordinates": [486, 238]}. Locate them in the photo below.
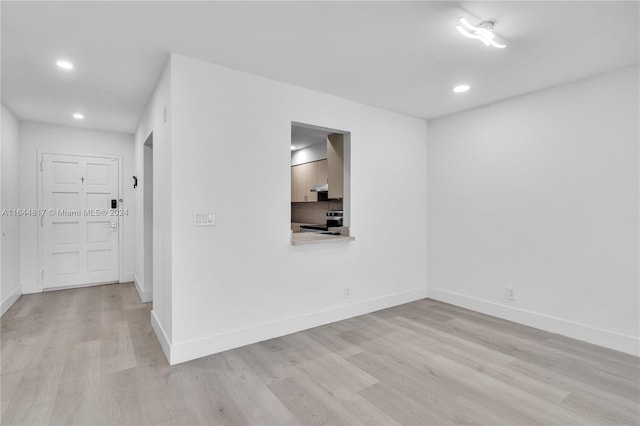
{"type": "Point", "coordinates": [147, 189]}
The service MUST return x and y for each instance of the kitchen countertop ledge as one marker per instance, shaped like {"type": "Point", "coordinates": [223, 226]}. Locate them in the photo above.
{"type": "Point", "coordinates": [305, 238]}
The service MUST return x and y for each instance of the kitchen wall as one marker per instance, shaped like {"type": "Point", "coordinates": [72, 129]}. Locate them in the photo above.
{"type": "Point", "coordinates": [157, 120]}
{"type": "Point", "coordinates": [241, 281]}
{"type": "Point", "coordinates": [540, 193]}
{"type": "Point", "coordinates": [10, 289]}
{"type": "Point", "coordinates": [313, 212]}
{"type": "Point", "coordinates": [38, 137]}
{"type": "Point", "coordinates": [311, 153]}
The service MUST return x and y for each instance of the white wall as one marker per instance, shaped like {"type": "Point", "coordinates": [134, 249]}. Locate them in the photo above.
{"type": "Point", "coordinates": [540, 193]}
{"type": "Point", "coordinates": [311, 153]}
{"type": "Point", "coordinates": [241, 281]}
{"type": "Point", "coordinates": [9, 199]}
{"type": "Point", "coordinates": [157, 287]}
{"type": "Point", "coordinates": [37, 137]}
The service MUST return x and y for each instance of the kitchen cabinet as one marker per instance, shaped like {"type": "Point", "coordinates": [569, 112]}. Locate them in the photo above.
{"type": "Point", "coordinates": [298, 184]}
{"type": "Point", "coordinates": [323, 172]}
{"type": "Point", "coordinates": [335, 164]}
{"type": "Point", "coordinates": [311, 174]}
{"type": "Point", "coordinates": [306, 176]}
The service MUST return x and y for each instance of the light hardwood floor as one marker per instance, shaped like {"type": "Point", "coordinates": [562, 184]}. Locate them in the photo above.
{"type": "Point", "coordinates": [89, 356]}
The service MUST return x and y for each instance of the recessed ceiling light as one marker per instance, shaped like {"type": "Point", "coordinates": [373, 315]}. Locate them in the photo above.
{"type": "Point", "coordinates": [78, 116]}
{"type": "Point", "coordinates": [462, 88]}
{"type": "Point", "coordinates": [293, 148]}
{"type": "Point", "coordinates": [65, 65]}
{"type": "Point", "coordinates": [483, 32]}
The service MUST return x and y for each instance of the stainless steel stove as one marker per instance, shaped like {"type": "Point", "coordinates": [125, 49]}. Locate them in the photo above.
{"type": "Point", "coordinates": [334, 219]}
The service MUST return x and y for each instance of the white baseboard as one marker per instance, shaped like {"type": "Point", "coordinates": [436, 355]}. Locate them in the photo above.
{"type": "Point", "coordinates": [33, 289]}
{"type": "Point", "coordinates": [71, 287]}
{"type": "Point", "coordinates": [165, 343]}
{"type": "Point", "coordinates": [127, 277]}
{"type": "Point", "coordinates": [606, 338]}
{"type": "Point", "coordinates": [186, 351]}
{"type": "Point", "coordinates": [145, 296]}
{"type": "Point", "coordinates": [10, 300]}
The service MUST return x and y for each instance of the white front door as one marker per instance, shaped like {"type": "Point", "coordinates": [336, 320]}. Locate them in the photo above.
{"type": "Point", "coordinates": [79, 227]}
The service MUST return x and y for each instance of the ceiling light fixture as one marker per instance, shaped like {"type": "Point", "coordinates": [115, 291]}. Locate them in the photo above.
{"type": "Point", "coordinates": [65, 65]}
{"type": "Point", "coordinates": [462, 88]}
{"type": "Point", "coordinates": [483, 32]}
{"type": "Point", "coordinates": [78, 116]}
{"type": "Point", "coordinates": [293, 148]}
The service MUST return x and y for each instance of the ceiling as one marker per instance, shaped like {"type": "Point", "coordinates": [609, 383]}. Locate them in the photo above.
{"type": "Point", "coordinates": [401, 56]}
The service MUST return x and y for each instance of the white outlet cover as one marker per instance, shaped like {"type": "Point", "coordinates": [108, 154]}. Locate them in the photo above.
{"type": "Point", "coordinates": [204, 219]}
{"type": "Point", "coordinates": [511, 293]}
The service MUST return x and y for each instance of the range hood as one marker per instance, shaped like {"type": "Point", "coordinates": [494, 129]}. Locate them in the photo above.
{"type": "Point", "coordinates": [323, 187]}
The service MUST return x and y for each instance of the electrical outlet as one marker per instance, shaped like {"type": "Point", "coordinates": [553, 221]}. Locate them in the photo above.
{"type": "Point", "coordinates": [511, 293]}
{"type": "Point", "coordinates": [347, 292]}
{"type": "Point", "coordinates": [204, 219]}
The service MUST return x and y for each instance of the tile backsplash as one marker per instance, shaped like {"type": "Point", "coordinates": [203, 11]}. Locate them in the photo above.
{"type": "Point", "coordinates": [313, 212]}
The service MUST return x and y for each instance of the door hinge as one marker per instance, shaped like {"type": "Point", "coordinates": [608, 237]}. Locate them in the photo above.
{"type": "Point", "coordinates": [41, 220]}
{"type": "Point", "coordinates": [42, 166]}
{"type": "Point", "coordinates": [42, 274]}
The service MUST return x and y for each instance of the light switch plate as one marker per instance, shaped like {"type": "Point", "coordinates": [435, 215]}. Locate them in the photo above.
{"type": "Point", "coordinates": [204, 219]}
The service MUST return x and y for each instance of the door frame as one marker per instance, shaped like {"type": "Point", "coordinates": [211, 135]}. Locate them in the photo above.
{"type": "Point", "coordinates": [39, 159]}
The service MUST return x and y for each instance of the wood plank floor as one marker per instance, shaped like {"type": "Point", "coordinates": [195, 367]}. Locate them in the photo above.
{"type": "Point", "coordinates": [89, 356]}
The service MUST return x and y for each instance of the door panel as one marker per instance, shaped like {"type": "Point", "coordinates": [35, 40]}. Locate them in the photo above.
{"type": "Point", "coordinates": [79, 236]}
{"type": "Point", "coordinates": [66, 263]}
{"type": "Point", "coordinates": [98, 174]}
{"type": "Point", "coordinates": [98, 232]}
{"type": "Point", "coordinates": [97, 261]}
{"type": "Point", "coordinates": [65, 234]}
{"type": "Point", "coordinates": [97, 200]}
{"type": "Point", "coordinates": [65, 200]}
{"type": "Point", "coordinates": [65, 172]}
